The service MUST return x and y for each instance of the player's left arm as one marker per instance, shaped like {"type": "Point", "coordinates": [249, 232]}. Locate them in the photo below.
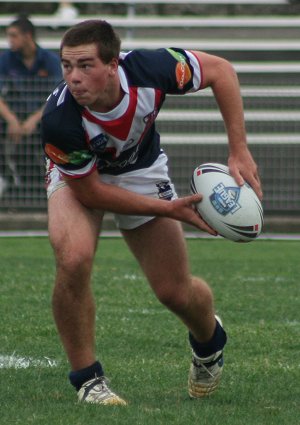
{"type": "Point", "coordinates": [220, 75]}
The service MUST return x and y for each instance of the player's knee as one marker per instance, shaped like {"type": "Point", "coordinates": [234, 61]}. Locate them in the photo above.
{"type": "Point", "coordinates": [73, 274]}
{"type": "Point", "coordinates": [174, 300]}
{"type": "Point", "coordinates": [75, 262]}
{"type": "Point", "coordinates": [179, 298]}
{"type": "Point", "coordinates": [201, 290]}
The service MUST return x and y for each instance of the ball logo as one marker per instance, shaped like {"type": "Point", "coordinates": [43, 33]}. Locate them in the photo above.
{"type": "Point", "coordinates": [225, 199]}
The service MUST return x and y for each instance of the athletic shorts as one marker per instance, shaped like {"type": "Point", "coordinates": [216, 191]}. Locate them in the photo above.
{"type": "Point", "coordinates": [153, 181]}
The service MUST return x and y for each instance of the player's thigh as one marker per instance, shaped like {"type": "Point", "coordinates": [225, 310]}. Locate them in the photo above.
{"type": "Point", "coordinates": [160, 248]}
{"type": "Point", "coordinates": [73, 228]}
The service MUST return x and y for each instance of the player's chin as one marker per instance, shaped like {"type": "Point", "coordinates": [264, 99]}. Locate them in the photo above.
{"type": "Point", "coordinates": [82, 101]}
{"type": "Point", "coordinates": [82, 98]}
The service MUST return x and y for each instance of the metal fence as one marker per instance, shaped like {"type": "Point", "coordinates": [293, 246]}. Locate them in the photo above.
{"type": "Point", "coordinates": [22, 163]}
{"type": "Point", "coordinates": [192, 133]}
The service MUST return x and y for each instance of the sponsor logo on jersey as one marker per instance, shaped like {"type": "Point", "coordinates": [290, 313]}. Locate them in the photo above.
{"type": "Point", "coordinates": [57, 155]}
{"type": "Point", "coordinates": [182, 70]}
{"type": "Point", "coordinates": [164, 190]}
{"type": "Point", "coordinates": [103, 163]}
{"type": "Point", "coordinates": [225, 199]}
{"type": "Point", "coordinates": [60, 157]}
{"type": "Point", "coordinates": [98, 143]}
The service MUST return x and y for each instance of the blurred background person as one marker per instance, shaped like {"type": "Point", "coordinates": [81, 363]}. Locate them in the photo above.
{"type": "Point", "coordinates": [28, 73]}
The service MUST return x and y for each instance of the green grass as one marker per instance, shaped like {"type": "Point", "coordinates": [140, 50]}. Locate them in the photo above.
{"type": "Point", "coordinates": [144, 348]}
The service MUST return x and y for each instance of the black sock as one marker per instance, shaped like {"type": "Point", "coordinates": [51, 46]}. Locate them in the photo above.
{"type": "Point", "coordinates": [216, 343]}
{"type": "Point", "coordinates": [79, 377]}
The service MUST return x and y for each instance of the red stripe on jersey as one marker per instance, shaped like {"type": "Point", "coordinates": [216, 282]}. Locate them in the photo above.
{"type": "Point", "coordinates": [151, 119]}
{"type": "Point", "coordinates": [158, 97]}
{"type": "Point", "coordinates": [119, 127]}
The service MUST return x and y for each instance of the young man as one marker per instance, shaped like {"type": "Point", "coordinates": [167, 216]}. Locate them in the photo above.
{"type": "Point", "coordinates": [25, 68]}
{"type": "Point", "coordinates": [104, 155]}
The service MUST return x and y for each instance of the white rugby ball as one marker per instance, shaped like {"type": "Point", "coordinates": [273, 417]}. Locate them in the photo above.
{"type": "Point", "coordinates": [235, 212]}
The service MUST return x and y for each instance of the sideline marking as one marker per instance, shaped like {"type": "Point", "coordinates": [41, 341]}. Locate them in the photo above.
{"type": "Point", "coordinates": [17, 362]}
{"type": "Point", "coordinates": [117, 234]}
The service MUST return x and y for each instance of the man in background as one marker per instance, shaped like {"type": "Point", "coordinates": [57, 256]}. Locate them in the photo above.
{"type": "Point", "coordinates": [27, 73]}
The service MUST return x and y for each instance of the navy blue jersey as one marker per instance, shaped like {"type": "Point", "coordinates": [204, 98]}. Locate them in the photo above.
{"type": "Point", "coordinates": [79, 140]}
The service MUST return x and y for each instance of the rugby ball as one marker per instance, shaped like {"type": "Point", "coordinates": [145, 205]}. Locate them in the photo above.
{"type": "Point", "coordinates": [235, 212]}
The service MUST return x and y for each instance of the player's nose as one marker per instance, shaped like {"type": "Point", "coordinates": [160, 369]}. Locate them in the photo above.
{"type": "Point", "coordinates": [75, 76]}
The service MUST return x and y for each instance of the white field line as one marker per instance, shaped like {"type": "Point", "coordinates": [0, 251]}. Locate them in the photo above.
{"type": "Point", "coordinates": [117, 234]}
{"type": "Point", "coordinates": [18, 362]}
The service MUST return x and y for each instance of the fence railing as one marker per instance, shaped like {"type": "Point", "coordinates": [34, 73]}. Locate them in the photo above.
{"type": "Point", "coordinates": [134, 2]}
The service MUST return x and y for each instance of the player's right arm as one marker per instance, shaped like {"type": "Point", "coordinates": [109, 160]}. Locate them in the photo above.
{"type": "Point", "coordinates": [95, 194]}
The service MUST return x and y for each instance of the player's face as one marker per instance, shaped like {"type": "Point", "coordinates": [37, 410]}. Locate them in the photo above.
{"type": "Point", "coordinates": [91, 82]}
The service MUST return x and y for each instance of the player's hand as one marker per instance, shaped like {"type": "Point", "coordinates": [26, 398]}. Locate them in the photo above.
{"type": "Point", "coordinates": [243, 168]}
{"type": "Point", "coordinates": [184, 209]}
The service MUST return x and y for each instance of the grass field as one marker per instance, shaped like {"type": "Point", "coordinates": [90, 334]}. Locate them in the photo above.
{"type": "Point", "coordinates": [144, 348]}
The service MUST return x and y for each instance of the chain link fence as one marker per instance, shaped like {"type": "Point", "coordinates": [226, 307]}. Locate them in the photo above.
{"type": "Point", "coordinates": [192, 133]}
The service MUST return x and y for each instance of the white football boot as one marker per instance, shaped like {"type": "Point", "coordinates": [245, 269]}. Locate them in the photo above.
{"type": "Point", "coordinates": [96, 391]}
{"type": "Point", "coordinates": [205, 373]}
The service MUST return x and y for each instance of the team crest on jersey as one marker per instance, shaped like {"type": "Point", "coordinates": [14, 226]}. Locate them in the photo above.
{"type": "Point", "coordinates": [98, 143]}
{"type": "Point", "coordinates": [164, 190]}
{"type": "Point", "coordinates": [225, 199]}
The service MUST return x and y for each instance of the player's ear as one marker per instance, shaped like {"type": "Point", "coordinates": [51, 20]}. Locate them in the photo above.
{"type": "Point", "coordinates": [114, 66]}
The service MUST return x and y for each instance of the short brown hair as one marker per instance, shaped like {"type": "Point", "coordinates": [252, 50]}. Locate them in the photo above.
{"type": "Point", "coordinates": [94, 31]}
{"type": "Point", "coordinates": [24, 25]}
